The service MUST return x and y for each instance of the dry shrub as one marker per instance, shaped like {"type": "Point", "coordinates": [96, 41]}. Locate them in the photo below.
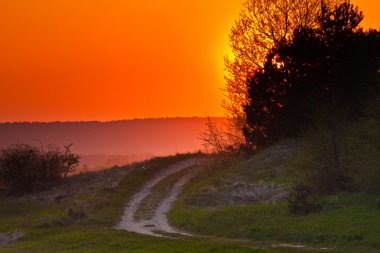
{"type": "Point", "coordinates": [25, 168]}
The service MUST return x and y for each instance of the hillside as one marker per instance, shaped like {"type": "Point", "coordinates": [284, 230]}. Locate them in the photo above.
{"type": "Point", "coordinates": [80, 215]}
{"type": "Point", "coordinates": [85, 213]}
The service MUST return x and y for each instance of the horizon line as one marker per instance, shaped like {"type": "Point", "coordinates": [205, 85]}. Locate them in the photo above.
{"type": "Point", "coordinates": [111, 121]}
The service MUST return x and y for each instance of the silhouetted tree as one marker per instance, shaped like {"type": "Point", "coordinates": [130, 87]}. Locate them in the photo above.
{"type": "Point", "coordinates": [69, 161]}
{"type": "Point", "coordinates": [262, 25]}
{"type": "Point", "coordinates": [214, 138]}
{"type": "Point", "coordinates": [332, 64]}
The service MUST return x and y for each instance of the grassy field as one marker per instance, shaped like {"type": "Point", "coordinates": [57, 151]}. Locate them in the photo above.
{"type": "Point", "coordinates": [109, 240]}
{"type": "Point", "coordinates": [51, 227]}
{"type": "Point", "coordinates": [84, 221]}
{"type": "Point", "coordinates": [101, 205]}
{"type": "Point", "coordinates": [350, 222]}
{"type": "Point", "coordinates": [354, 223]}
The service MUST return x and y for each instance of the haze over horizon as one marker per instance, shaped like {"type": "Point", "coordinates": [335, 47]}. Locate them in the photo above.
{"type": "Point", "coordinates": [110, 60]}
{"type": "Point", "coordinates": [112, 120]}
{"type": "Point", "coordinates": [105, 144]}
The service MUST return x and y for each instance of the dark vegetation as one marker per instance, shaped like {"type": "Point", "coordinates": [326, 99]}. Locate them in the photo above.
{"type": "Point", "coordinates": [320, 84]}
{"type": "Point", "coordinates": [317, 91]}
{"type": "Point", "coordinates": [329, 69]}
{"type": "Point", "coordinates": [25, 168]}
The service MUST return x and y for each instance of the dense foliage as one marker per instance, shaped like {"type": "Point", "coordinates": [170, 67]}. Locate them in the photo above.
{"type": "Point", "coordinates": [262, 24]}
{"type": "Point", "coordinates": [319, 82]}
{"type": "Point", "coordinates": [333, 66]}
{"type": "Point", "coordinates": [25, 168]}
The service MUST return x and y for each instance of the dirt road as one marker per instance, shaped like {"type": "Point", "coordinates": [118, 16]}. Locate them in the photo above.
{"type": "Point", "coordinates": [158, 224]}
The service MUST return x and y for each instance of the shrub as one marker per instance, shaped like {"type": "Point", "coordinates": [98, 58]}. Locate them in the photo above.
{"type": "Point", "coordinates": [323, 163]}
{"type": "Point", "coordinates": [338, 155]}
{"type": "Point", "coordinates": [302, 200]}
{"type": "Point", "coordinates": [25, 168]}
{"type": "Point", "coordinates": [364, 156]}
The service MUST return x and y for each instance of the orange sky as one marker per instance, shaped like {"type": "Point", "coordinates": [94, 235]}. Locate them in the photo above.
{"type": "Point", "coordinates": [116, 59]}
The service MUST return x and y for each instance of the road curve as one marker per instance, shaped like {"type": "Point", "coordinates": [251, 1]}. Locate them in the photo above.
{"type": "Point", "coordinates": [158, 225]}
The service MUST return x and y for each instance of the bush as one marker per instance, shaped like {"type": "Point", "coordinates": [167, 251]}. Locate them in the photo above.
{"type": "Point", "coordinates": [323, 164]}
{"type": "Point", "coordinates": [338, 155]}
{"type": "Point", "coordinates": [25, 168]}
{"type": "Point", "coordinates": [364, 154]}
{"type": "Point", "coordinates": [303, 201]}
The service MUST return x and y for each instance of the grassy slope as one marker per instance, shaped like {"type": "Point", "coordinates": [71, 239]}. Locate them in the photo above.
{"type": "Point", "coordinates": [353, 225]}
{"type": "Point", "coordinates": [102, 206]}
{"type": "Point", "coordinates": [49, 228]}
{"type": "Point", "coordinates": [108, 240]}
{"type": "Point", "coordinates": [348, 220]}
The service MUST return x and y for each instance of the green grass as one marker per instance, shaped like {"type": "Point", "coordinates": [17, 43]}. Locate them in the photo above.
{"type": "Point", "coordinates": [108, 240]}
{"type": "Point", "coordinates": [103, 206]}
{"type": "Point", "coordinates": [108, 204]}
{"type": "Point", "coordinates": [348, 220]}
{"type": "Point", "coordinates": [221, 172]}
{"type": "Point", "coordinates": [209, 174]}
{"type": "Point", "coordinates": [352, 224]}
{"type": "Point", "coordinates": [268, 164]}
{"type": "Point", "coordinates": [49, 228]}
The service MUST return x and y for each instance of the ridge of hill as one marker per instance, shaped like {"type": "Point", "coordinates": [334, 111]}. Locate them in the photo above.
{"type": "Point", "coordinates": [105, 144]}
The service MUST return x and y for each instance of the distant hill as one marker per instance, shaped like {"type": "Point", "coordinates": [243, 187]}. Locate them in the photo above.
{"type": "Point", "coordinates": [116, 142]}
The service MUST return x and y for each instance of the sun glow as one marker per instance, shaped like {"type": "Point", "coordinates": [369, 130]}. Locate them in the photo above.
{"type": "Point", "coordinates": [105, 60]}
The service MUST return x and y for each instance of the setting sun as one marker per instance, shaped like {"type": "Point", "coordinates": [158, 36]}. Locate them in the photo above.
{"type": "Point", "coordinates": [107, 60]}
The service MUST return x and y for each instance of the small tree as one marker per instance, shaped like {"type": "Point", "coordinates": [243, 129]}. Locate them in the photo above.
{"type": "Point", "coordinates": [69, 161]}
{"type": "Point", "coordinates": [214, 138]}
